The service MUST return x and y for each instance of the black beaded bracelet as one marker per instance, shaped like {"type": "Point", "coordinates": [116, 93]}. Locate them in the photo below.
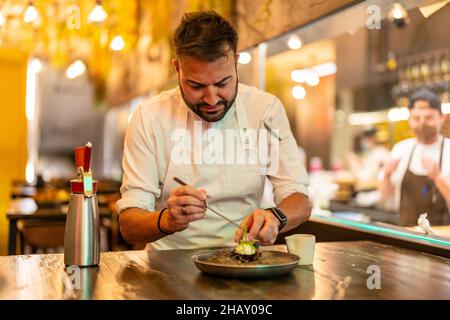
{"type": "Point", "coordinates": [159, 223]}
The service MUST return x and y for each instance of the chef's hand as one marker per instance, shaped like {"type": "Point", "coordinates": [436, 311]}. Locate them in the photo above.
{"type": "Point", "coordinates": [185, 204]}
{"type": "Point", "coordinates": [390, 166]}
{"type": "Point", "coordinates": [431, 167]}
{"type": "Point", "coordinates": [262, 225]}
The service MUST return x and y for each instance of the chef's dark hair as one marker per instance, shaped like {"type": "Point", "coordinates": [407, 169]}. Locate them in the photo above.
{"type": "Point", "coordinates": [425, 95]}
{"type": "Point", "coordinates": [204, 35]}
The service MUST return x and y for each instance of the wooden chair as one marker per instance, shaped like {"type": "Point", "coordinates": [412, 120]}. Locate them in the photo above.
{"type": "Point", "coordinates": [41, 235]}
{"type": "Point", "coordinates": [48, 236]}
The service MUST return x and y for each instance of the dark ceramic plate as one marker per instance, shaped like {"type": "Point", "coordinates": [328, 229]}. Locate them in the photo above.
{"type": "Point", "coordinates": [280, 263]}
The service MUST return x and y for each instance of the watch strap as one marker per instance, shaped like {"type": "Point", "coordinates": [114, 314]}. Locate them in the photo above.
{"type": "Point", "coordinates": [279, 215]}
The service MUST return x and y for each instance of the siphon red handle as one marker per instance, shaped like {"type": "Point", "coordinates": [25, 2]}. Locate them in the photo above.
{"type": "Point", "coordinates": [79, 157]}
{"type": "Point", "coordinates": [87, 157]}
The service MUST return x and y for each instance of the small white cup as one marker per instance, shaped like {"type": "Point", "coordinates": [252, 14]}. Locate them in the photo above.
{"type": "Point", "coordinates": [303, 246]}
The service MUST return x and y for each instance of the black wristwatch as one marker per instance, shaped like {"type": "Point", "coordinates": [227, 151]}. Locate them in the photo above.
{"type": "Point", "coordinates": [280, 216]}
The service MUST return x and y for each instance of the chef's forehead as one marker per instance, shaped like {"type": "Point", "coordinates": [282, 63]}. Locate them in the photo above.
{"type": "Point", "coordinates": [423, 108]}
{"type": "Point", "coordinates": [421, 104]}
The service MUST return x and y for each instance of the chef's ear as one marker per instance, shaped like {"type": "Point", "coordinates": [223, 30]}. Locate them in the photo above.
{"type": "Point", "coordinates": [237, 58]}
{"type": "Point", "coordinates": [176, 65]}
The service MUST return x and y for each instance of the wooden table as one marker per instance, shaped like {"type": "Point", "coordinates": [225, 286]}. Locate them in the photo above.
{"type": "Point", "coordinates": [339, 272]}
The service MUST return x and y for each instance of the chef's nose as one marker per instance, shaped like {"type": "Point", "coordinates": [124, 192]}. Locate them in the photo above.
{"type": "Point", "coordinates": [210, 96]}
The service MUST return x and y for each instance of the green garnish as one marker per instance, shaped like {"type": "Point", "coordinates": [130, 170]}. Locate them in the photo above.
{"type": "Point", "coordinates": [245, 246]}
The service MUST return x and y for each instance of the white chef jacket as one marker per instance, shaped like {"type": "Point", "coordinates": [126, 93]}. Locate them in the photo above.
{"type": "Point", "coordinates": [402, 150]}
{"type": "Point", "coordinates": [234, 190]}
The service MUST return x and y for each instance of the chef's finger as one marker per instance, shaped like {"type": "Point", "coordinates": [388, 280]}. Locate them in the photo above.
{"type": "Point", "coordinates": [195, 216]}
{"type": "Point", "coordinates": [188, 201]}
{"type": "Point", "coordinates": [186, 219]}
{"type": "Point", "coordinates": [269, 232]}
{"type": "Point", "coordinates": [244, 224]}
{"type": "Point", "coordinates": [189, 210]}
{"type": "Point", "coordinates": [258, 222]}
{"type": "Point", "coordinates": [190, 191]}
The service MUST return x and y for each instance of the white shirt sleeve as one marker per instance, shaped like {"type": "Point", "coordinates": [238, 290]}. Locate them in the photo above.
{"type": "Point", "coordinates": [291, 176]}
{"type": "Point", "coordinates": [140, 184]}
{"type": "Point", "coordinates": [398, 152]}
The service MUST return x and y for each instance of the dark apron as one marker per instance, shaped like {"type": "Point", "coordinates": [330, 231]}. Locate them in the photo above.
{"type": "Point", "coordinates": [418, 195]}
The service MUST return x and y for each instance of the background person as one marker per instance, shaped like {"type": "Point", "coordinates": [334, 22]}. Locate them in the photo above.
{"type": "Point", "coordinates": [416, 178]}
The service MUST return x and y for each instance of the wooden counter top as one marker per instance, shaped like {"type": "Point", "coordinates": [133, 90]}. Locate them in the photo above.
{"type": "Point", "coordinates": [340, 272]}
{"type": "Point", "coordinates": [443, 231]}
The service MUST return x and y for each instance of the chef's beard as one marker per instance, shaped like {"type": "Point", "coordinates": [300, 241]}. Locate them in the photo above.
{"type": "Point", "coordinates": [426, 134]}
{"type": "Point", "coordinates": [210, 117]}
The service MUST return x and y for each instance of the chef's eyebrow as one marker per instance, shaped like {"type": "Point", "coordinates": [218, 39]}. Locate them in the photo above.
{"type": "Point", "coordinates": [201, 84]}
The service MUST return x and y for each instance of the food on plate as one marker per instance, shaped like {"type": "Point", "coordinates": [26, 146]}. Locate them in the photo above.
{"type": "Point", "coordinates": [246, 250]}
{"type": "Point", "coordinates": [227, 257]}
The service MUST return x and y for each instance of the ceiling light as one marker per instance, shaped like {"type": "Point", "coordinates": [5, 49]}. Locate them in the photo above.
{"type": "Point", "coordinates": [245, 58]}
{"type": "Point", "coordinates": [36, 65]}
{"type": "Point", "coordinates": [30, 172]}
{"type": "Point", "coordinates": [98, 14]}
{"type": "Point", "coordinates": [366, 118]}
{"type": "Point", "coordinates": [398, 15]}
{"type": "Point", "coordinates": [299, 76]}
{"type": "Point", "coordinates": [117, 43]}
{"type": "Point", "coordinates": [325, 69]}
{"type": "Point", "coordinates": [312, 78]}
{"type": "Point", "coordinates": [298, 92]}
{"type": "Point", "coordinates": [76, 69]}
{"type": "Point", "coordinates": [31, 14]}
{"type": "Point", "coordinates": [398, 114]}
{"type": "Point", "coordinates": [320, 70]}
{"type": "Point", "coordinates": [294, 43]}
{"type": "Point", "coordinates": [2, 19]}
{"type": "Point", "coordinates": [446, 108]}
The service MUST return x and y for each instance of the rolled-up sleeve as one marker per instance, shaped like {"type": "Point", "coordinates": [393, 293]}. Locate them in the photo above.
{"type": "Point", "coordinates": [140, 184]}
{"type": "Point", "coordinates": [291, 176]}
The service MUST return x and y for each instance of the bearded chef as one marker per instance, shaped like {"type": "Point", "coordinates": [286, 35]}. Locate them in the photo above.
{"type": "Point", "coordinates": [416, 178]}
{"type": "Point", "coordinates": [209, 103]}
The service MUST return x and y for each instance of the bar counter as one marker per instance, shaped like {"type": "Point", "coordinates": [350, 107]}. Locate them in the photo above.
{"type": "Point", "coordinates": [341, 270]}
{"type": "Point", "coordinates": [334, 226]}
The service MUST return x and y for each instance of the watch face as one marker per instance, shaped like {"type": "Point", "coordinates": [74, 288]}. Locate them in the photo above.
{"type": "Point", "coordinates": [280, 214]}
